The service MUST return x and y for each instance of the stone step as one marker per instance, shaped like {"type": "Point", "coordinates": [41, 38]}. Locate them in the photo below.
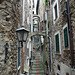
{"type": "Point", "coordinates": [36, 69]}
{"type": "Point", "coordinates": [35, 60]}
{"type": "Point", "coordinates": [37, 72]}
{"type": "Point", "coordinates": [37, 66]}
{"type": "Point", "coordinates": [37, 53]}
{"type": "Point", "coordinates": [36, 63]}
{"type": "Point", "coordinates": [36, 56]}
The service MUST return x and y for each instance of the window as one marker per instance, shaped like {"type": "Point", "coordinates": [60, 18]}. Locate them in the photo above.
{"type": "Point", "coordinates": [49, 4]}
{"type": "Point", "coordinates": [58, 67]}
{"type": "Point", "coordinates": [66, 42]}
{"type": "Point", "coordinates": [55, 10]}
{"type": "Point", "coordinates": [57, 42]}
{"type": "Point", "coordinates": [33, 12]}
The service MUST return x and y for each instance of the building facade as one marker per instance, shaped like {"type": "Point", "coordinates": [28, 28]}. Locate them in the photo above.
{"type": "Point", "coordinates": [60, 14]}
{"type": "Point", "coordinates": [62, 36]}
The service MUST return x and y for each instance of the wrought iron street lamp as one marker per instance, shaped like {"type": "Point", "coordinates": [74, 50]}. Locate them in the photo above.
{"type": "Point", "coordinates": [22, 34]}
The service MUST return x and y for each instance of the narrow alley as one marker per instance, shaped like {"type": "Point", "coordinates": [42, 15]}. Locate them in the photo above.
{"type": "Point", "coordinates": [37, 37]}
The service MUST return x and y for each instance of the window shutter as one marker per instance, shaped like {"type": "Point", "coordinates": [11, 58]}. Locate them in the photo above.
{"type": "Point", "coordinates": [65, 38]}
{"type": "Point", "coordinates": [57, 43]}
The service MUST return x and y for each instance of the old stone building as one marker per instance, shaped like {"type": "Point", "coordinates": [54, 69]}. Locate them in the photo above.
{"type": "Point", "coordinates": [10, 20]}
{"type": "Point", "coordinates": [60, 15]}
{"type": "Point", "coordinates": [62, 35]}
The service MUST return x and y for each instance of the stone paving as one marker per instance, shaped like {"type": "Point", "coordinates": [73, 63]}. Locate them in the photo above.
{"type": "Point", "coordinates": [37, 66]}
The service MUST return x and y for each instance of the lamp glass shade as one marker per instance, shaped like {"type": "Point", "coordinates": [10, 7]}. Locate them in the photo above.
{"type": "Point", "coordinates": [25, 36]}
{"type": "Point", "coordinates": [22, 34]}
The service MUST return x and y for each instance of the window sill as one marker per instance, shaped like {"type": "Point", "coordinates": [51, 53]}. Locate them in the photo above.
{"type": "Point", "coordinates": [58, 54]}
{"type": "Point", "coordinates": [66, 50]}
{"type": "Point", "coordinates": [55, 19]}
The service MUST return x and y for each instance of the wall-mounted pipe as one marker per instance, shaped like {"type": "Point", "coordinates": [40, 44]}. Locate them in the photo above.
{"type": "Point", "coordinates": [70, 33]}
{"type": "Point", "coordinates": [50, 50]}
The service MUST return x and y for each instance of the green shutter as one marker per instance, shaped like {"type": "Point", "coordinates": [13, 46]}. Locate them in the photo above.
{"type": "Point", "coordinates": [18, 54]}
{"type": "Point", "coordinates": [65, 38]}
{"type": "Point", "coordinates": [57, 43]}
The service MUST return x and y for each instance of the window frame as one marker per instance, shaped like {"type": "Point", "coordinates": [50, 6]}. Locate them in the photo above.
{"type": "Point", "coordinates": [55, 11]}
{"type": "Point", "coordinates": [59, 42]}
{"type": "Point", "coordinates": [54, 18]}
{"type": "Point", "coordinates": [63, 35]}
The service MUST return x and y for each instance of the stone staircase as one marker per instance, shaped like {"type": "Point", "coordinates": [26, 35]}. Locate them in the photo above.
{"type": "Point", "coordinates": [37, 64]}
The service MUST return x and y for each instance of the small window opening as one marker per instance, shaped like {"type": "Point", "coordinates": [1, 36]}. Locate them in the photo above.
{"type": "Point", "coordinates": [58, 67]}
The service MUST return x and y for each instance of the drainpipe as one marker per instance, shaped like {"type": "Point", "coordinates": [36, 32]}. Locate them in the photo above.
{"type": "Point", "coordinates": [70, 33]}
{"type": "Point", "coordinates": [47, 21]}
{"type": "Point", "coordinates": [50, 51]}
{"type": "Point", "coordinates": [31, 18]}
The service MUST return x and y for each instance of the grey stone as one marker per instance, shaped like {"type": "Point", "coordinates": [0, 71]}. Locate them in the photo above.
{"type": "Point", "coordinates": [2, 6]}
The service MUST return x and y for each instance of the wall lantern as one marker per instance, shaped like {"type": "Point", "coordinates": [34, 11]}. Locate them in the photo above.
{"type": "Point", "coordinates": [22, 34]}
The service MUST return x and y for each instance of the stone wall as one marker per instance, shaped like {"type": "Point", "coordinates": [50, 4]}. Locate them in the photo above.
{"type": "Point", "coordinates": [9, 18]}
{"type": "Point", "coordinates": [64, 57]}
{"type": "Point", "coordinates": [72, 11]}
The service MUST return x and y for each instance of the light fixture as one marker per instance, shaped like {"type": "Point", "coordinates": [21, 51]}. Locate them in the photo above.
{"type": "Point", "coordinates": [22, 34]}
